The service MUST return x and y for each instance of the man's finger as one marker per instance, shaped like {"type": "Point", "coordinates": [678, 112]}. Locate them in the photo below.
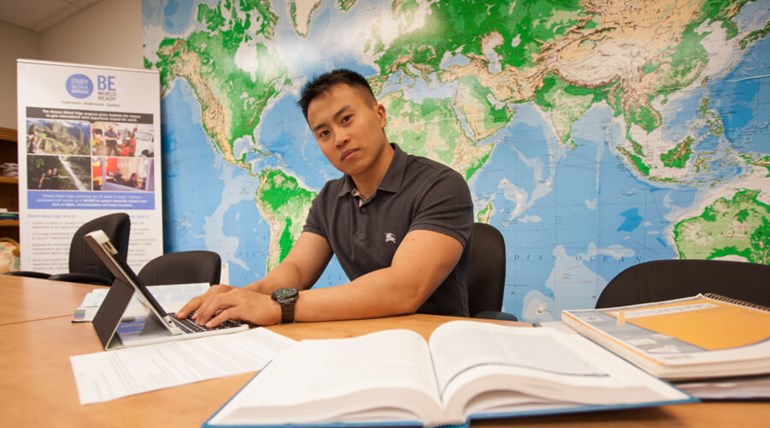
{"type": "Point", "coordinates": [220, 317]}
{"type": "Point", "coordinates": [196, 305]}
{"type": "Point", "coordinates": [212, 305]}
{"type": "Point", "coordinates": [189, 307]}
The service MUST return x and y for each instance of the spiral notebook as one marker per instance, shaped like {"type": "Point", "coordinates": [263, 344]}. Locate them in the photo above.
{"type": "Point", "coordinates": [698, 337]}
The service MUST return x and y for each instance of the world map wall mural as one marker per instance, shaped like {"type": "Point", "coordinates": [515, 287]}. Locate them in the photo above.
{"type": "Point", "coordinates": [594, 134]}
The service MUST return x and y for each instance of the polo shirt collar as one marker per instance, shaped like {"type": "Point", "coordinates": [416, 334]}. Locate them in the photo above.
{"type": "Point", "coordinates": [393, 177]}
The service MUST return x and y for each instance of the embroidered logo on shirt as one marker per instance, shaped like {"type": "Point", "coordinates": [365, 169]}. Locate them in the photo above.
{"type": "Point", "coordinates": [389, 237]}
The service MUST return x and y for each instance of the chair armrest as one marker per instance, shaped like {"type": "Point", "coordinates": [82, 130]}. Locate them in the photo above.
{"type": "Point", "coordinates": [82, 278]}
{"type": "Point", "coordinates": [496, 315]}
{"type": "Point", "coordinates": [29, 274]}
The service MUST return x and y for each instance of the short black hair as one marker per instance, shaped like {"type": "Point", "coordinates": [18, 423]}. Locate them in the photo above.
{"type": "Point", "coordinates": [323, 83]}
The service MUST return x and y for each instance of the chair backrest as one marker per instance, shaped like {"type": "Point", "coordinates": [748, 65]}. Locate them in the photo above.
{"type": "Point", "coordinates": [486, 269]}
{"type": "Point", "coordinates": [83, 260]}
{"type": "Point", "coordinates": [183, 267]}
{"type": "Point", "coordinates": [671, 279]}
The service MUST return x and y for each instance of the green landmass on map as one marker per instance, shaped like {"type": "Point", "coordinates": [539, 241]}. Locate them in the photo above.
{"type": "Point", "coordinates": [737, 226]}
{"type": "Point", "coordinates": [282, 201]}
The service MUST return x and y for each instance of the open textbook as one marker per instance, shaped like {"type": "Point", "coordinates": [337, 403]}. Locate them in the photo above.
{"type": "Point", "coordinates": [468, 370]}
{"type": "Point", "coordinates": [699, 337]}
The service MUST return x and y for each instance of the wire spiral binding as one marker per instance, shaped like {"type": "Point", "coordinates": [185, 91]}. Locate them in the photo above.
{"type": "Point", "coordinates": [739, 302]}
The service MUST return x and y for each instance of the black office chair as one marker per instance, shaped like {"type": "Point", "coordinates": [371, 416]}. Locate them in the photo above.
{"type": "Point", "coordinates": [672, 279]}
{"type": "Point", "coordinates": [183, 267]}
{"type": "Point", "coordinates": [486, 274]}
{"type": "Point", "coordinates": [84, 266]}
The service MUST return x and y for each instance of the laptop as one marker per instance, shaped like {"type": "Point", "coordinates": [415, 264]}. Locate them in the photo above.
{"type": "Point", "coordinates": [119, 324]}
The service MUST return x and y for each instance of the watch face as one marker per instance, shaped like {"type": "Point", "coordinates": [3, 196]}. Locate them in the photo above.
{"type": "Point", "coordinates": [285, 293]}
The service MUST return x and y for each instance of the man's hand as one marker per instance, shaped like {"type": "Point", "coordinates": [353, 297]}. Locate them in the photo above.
{"type": "Point", "coordinates": [223, 302]}
{"type": "Point", "coordinates": [196, 302]}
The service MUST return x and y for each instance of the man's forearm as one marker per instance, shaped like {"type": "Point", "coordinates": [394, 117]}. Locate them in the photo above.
{"type": "Point", "coordinates": [283, 275]}
{"type": "Point", "coordinates": [376, 294]}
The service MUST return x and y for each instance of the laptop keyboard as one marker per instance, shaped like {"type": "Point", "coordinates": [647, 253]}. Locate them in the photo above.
{"type": "Point", "coordinates": [189, 326]}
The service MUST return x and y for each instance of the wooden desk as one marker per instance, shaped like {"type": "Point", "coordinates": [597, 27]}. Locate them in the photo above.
{"type": "Point", "coordinates": [38, 388]}
{"type": "Point", "coordinates": [28, 299]}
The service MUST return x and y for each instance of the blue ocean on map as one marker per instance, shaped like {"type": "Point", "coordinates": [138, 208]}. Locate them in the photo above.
{"type": "Point", "coordinates": [567, 216]}
{"type": "Point", "coordinates": [287, 138]}
{"type": "Point", "coordinates": [231, 226]}
{"type": "Point", "coordinates": [743, 101]}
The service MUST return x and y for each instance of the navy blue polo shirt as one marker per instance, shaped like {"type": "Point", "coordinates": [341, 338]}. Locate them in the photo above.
{"type": "Point", "coordinates": [415, 194]}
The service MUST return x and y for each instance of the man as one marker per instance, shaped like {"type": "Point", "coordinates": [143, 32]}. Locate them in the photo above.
{"type": "Point", "coordinates": [133, 181]}
{"type": "Point", "coordinates": [111, 142]}
{"type": "Point", "coordinates": [400, 226]}
{"type": "Point", "coordinates": [54, 179]}
{"type": "Point", "coordinates": [128, 147]}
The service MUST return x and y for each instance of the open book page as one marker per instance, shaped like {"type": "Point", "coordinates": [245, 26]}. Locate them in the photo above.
{"type": "Point", "coordinates": [528, 367]}
{"type": "Point", "coordinates": [384, 376]}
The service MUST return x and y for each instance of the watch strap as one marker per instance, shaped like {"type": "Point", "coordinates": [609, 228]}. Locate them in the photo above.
{"type": "Point", "coordinates": [287, 311]}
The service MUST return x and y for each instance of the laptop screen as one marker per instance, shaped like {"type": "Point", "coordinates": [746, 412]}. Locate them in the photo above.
{"type": "Point", "coordinates": [100, 243]}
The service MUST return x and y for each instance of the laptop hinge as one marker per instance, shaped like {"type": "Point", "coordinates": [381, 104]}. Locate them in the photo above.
{"type": "Point", "coordinates": [171, 325]}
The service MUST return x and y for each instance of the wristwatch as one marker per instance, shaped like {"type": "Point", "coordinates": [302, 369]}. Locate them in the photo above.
{"type": "Point", "coordinates": [286, 297]}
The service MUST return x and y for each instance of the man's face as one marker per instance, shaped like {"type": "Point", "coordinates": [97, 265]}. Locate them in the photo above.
{"type": "Point", "coordinates": [348, 125]}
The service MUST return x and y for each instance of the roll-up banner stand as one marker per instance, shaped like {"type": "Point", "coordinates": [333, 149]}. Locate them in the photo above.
{"type": "Point", "coordinates": [89, 145]}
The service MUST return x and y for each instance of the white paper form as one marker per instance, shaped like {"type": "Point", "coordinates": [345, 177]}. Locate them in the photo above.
{"type": "Point", "coordinates": [104, 376]}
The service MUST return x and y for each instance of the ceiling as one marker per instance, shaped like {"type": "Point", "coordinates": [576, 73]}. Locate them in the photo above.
{"type": "Point", "coordinates": [40, 15]}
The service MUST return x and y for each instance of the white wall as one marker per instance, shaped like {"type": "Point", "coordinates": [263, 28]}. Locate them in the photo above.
{"type": "Point", "coordinates": [16, 43]}
{"type": "Point", "coordinates": [107, 33]}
